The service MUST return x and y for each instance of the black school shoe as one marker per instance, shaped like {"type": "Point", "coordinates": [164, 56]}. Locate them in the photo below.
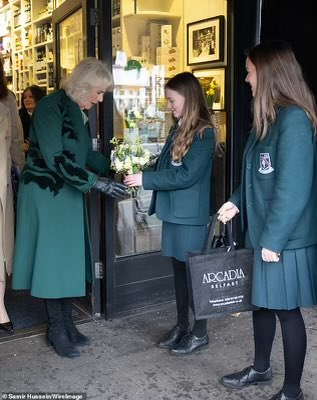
{"type": "Point", "coordinates": [6, 328]}
{"type": "Point", "coordinates": [249, 376]}
{"type": "Point", "coordinates": [173, 337]}
{"type": "Point", "coordinates": [189, 344]}
{"type": "Point", "coordinates": [281, 396]}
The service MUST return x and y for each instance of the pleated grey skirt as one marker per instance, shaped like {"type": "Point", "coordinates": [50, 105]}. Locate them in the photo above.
{"type": "Point", "coordinates": [178, 240]}
{"type": "Point", "coordinates": [287, 284]}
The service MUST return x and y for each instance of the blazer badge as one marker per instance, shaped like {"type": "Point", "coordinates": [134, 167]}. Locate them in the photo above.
{"type": "Point", "coordinates": [265, 164]}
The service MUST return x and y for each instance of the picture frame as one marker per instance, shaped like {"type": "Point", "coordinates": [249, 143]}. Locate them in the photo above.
{"type": "Point", "coordinates": [217, 76]}
{"type": "Point", "coordinates": [205, 41]}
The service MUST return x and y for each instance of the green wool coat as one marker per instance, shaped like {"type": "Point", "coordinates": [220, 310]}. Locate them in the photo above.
{"type": "Point", "coordinates": [52, 251]}
{"type": "Point", "coordinates": [278, 196]}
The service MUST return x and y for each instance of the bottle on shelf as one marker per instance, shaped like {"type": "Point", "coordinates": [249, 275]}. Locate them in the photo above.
{"type": "Point", "coordinates": [51, 76]}
{"type": "Point", "coordinates": [40, 62]}
{"type": "Point", "coordinates": [44, 33]}
{"type": "Point", "coordinates": [18, 43]}
{"type": "Point", "coordinates": [17, 18]}
{"type": "Point", "coordinates": [26, 39]}
{"type": "Point", "coordinates": [27, 11]}
{"type": "Point", "coordinates": [50, 6]}
{"type": "Point", "coordinates": [50, 57]}
{"type": "Point", "coordinates": [115, 8]}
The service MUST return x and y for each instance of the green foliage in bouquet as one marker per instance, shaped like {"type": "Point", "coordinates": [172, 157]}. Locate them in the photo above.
{"type": "Point", "coordinates": [129, 157]}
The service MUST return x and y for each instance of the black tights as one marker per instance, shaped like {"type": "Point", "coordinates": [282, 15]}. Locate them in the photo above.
{"type": "Point", "coordinates": [182, 300]}
{"type": "Point", "coordinates": [294, 344]}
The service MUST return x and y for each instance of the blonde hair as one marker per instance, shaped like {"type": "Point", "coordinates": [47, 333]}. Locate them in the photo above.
{"type": "Point", "coordinates": [195, 117]}
{"type": "Point", "coordinates": [87, 74]}
{"type": "Point", "coordinates": [280, 83]}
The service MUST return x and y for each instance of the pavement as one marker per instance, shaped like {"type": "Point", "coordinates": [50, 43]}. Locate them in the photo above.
{"type": "Point", "coordinates": [123, 362]}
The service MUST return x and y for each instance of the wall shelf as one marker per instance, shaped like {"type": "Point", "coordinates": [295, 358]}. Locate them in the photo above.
{"type": "Point", "coordinates": [29, 21]}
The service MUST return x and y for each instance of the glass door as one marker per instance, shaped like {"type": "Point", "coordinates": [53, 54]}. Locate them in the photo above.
{"type": "Point", "coordinates": [147, 45]}
{"type": "Point", "coordinates": [69, 43]}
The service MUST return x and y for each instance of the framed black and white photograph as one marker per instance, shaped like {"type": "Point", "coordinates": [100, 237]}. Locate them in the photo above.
{"type": "Point", "coordinates": [205, 41]}
{"type": "Point", "coordinates": [213, 81]}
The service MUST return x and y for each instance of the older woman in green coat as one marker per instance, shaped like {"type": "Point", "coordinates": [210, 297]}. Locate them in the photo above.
{"type": "Point", "coordinates": [52, 254]}
{"type": "Point", "coordinates": [277, 200]}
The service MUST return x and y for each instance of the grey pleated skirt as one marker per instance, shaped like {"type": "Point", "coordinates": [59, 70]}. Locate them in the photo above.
{"type": "Point", "coordinates": [290, 283]}
{"type": "Point", "coordinates": [178, 240]}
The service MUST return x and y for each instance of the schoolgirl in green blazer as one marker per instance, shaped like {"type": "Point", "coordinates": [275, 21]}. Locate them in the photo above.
{"type": "Point", "coordinates": [181, 198]}
{"type": "Point", "coordinates": [277, 201]}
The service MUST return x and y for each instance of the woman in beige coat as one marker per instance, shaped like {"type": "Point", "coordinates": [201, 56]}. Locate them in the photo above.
{"type": "Point", "coordinates": [11, 150]}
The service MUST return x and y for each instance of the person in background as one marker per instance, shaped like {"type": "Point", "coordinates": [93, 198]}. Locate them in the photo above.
{"type": "Point", "coordinates": [52, 255]}
{"type": "Point", "coordinates": [11, 150]}
{"type": "Point", "coordinates": [277, 202]}
{"type": "Point", "coordinates": [181, 197]}
{"type": "Point", "coordinates": [30, 97]}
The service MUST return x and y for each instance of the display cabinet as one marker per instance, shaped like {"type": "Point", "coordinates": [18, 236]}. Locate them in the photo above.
{"type": "Point", "coordinates": [29, 56]}
{"type": "Point", "coordinates": [149, 32]}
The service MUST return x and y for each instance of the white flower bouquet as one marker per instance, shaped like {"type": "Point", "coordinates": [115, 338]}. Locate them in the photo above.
{"type": "Point", "coordinates": [129, 157]}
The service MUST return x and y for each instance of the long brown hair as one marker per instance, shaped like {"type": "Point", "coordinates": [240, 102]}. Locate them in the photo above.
{"type": "Point", "coordinates": [3, 83]}
{"type": "Point", "coordinates": [280, 83]}
{"type": "Point", "coordinates": [196, 116]}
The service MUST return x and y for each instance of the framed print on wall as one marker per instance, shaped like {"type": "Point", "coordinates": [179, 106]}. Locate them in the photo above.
{"type": "Point", "coordinates": [205, 40]}
{"type": "Point", "coordinates": [212, 81]}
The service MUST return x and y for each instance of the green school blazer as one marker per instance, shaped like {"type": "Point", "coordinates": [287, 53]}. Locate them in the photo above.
{"type": "Point", "coordinates": [278, 192]}
{"type": "Point", "coordinates": [182, 191]}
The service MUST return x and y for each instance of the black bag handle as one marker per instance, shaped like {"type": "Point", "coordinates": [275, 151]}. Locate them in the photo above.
{"type": "Point", "coordinates": [211, 233]}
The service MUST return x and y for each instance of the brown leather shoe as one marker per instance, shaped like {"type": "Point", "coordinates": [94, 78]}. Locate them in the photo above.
{"type": "Point", "coordinates": [249, 376]}
{"type": "Point", "coordinates": [281, 396]}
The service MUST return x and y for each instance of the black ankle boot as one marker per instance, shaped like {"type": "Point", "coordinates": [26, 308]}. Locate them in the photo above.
{"type": "Point", "coordinates": [56, 334]}
{"type": "Point", "coordinates": [173, 337]}
{"type": "Point", "coordinates": [73, 333]}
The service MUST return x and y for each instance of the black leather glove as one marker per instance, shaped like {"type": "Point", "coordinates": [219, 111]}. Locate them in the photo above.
{"type": "Point", "coordinates": [111, 188]}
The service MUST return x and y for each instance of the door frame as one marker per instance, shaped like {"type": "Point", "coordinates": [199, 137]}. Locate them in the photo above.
{"type": "Point", "coordinates": [134, 282]}
{"type": "Point", "coordinates": [89, 50]}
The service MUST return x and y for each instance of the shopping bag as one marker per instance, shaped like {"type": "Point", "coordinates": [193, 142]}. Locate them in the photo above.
{"type": "Point", "coordinates": [219, 278]}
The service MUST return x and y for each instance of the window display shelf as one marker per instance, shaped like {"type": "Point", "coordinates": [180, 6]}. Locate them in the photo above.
{"type": "Point", "coordinates": [151, 15]}
{"type": "Point", "coordinates": [43, 43]}
{"type": "Point", "coordinates": [5, 8]}
{"type": "Point", "coordinates": [42, 19]}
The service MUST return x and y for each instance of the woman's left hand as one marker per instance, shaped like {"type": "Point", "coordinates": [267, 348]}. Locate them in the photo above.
{"type": "Point", "coordinates": [270, 256]}
{"type": "Point", "coordinates": [133, 180]}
